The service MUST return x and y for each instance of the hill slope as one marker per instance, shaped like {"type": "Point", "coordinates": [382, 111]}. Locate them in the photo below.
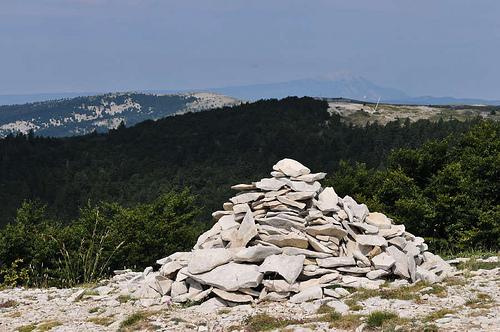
{"type": "Point", "coordinates": [207, 151]}
{"type": "Point", "coordinates": [82, 115]}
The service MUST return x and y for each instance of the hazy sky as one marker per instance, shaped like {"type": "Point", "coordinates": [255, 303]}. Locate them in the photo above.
{"type": "Point", "coordinates": [440, 48]}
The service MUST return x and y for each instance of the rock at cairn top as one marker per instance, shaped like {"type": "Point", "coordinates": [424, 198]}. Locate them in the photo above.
{"type": "Point", "coordinates": [286, 237]}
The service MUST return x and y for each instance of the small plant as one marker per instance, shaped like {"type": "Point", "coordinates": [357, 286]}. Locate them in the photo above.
{"type": "Point", "coordinates": [8, 304]}
{"type": "Point", "coordinates": [49, 325]}
{"type": "Point", "coordinates": [26, 328]}
{"type": "Point", "coordinates": [15, 275]}
{"type": "Point", "coordinates": [224, 311]}
{"type": "Point", "coordinates": [177, 320]}
{"type": "Point", "coordinates": [190, 303]}
{"type": "Point", "coordinates": [14, 314]}
{"type": "Point", "coordinates": [264, 322]}
{"type": "Point", "coordinates": [347, 322]}
{"type": "Point", "coordinates": [93, 310]}
{"type": "Point", "coordinates": [124, 298]}
{"type": "Point", "coordinates": [133, 319]}
{"type": "Point", "coordinates": [481, 300]}
{"type": "Point", "coordinates": [436, 315]}
{"type": "Point", "coordinates": [379, 318]}
{"type": "Point", "coordinates": [104, 321]}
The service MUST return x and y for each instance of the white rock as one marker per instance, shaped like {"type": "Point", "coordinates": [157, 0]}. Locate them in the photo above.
{"type": "Point", "coordinates": [289, 267]}
{"type": "Point", "coordinates": [317, 245]}
{"type": "Point", "coordinates": [231, 276]}
{"type": "Point", "coordinates": [178, 288]}
{"type": "Point", "coordinates": [302, 186]}
{"type": "Point", "coordinates": [246, 197]}
{"type": "Point", "coordinates": [290, 202]}
{"type": "Point", "coordinates": [329, 230]}
{"type": "Point", "coordinates": [280, 286]}
{"type": "Point", "coordinates": [311, 293]}
{"type": "Point", "coordinates": [255, 253]}
{"type": "Point", "coordinates": [289, 240]}
{"type": "Point", "coordinates": [269, 184]}
{"type": "Point", "coordinates": [371, 240]}
{"type": "Point", "coordinates": [281, 222]}
{"type": "Point", "coordinates": [164, 284]}
{"type": "Point", "coordinates": [299, 195]}
{"type": "Point", "coordinates": [228, 222]}
{"type": "Point", "coordinates": [233, 297]}
{"type": "Point", "coordinates": [204, 260]}
{"type": "Point", "coordinates": [310, 177]}
{"type": "Point", "coordinates": [339, 307]}
{"type": "Point", "coordinates": [307, 253]}
{"type": "Point", "coordinates": [335, 261]}
{"type": "Point", "coordinates": [401, 265]}
{"type": "Point", "coordinates": [291, 167]}
{"type": "Point", "coordinates": [245, 233]}
{"type": "Point", "coordinates": [383, 261]}
{"type": "Point", "coordinates": [379, 220]}
{"type": "Point", "coordinates": [423, 274]}
{"type": "Point", "coordinates": [395, 230]}
{"type": "Point", "coordinates": [376, 274]}
{"type": "Point", "coordinates": [359, 211]}
{"type": "Point", "coordinates": [205, 236]}
{"type": "Point", "coordinates": [367, 228]}
{"type": "Point", "coordinates": [328, 200]}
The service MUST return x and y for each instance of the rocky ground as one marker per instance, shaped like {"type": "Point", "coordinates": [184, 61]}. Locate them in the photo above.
{"type": "Point", "coordinates": [468, 301]}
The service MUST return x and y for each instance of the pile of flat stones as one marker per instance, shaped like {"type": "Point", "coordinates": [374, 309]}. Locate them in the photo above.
{"type": "Point", "coordinates": [287, 238]}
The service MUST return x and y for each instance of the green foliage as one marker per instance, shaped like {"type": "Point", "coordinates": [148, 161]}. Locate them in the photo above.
{"type": "Point", "coordinates": [265, 322]}
{"type": "Point", "coordinates": [206, 151]}
{"type": "Point", "coordinates": [447, 191]}
{"type": "Point", "coordinates": [15, 276]}
{"type": "Point", "coordinates": [379, 318]}
{"type": "Point", "coordinates": [38, 252]}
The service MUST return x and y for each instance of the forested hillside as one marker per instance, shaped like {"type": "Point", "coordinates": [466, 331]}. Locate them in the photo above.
{"type": "Point", "coordinates": [83, 115]}
{"type": "Point", "coordinates": [207, 152]}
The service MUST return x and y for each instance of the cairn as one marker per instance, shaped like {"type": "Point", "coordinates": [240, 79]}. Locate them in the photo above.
{"type": "Point", "coordinates": [286, 237]}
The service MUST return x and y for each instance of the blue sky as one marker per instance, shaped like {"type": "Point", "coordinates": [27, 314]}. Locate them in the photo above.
{"type": "Point", "coordinates": [439, 48]}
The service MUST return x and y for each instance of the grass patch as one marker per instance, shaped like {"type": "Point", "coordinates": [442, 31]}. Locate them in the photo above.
{"type": "Point", "coordinates": [14, 314]}
{"type": "Point", "coordinates": [264, 322]}
{"type": "Point", "coordinates": [454, 281]}
{"type": "Point", "coordinates": [190, 303]}
{"type": "Point", "coordinates": [104, 321]}
{"type": "Point", "coordinates": [347, 322]}
{"type": "Point", "coordinates": [177, 320]}
{"type": "Point", "coordinates": [93, 310]}
{"type": "Point", "coordinates": [337, 320]}
{"type": "Point", "coordinates": [124, 298]}
{"type": "Point", "coordinates": [473, 265]}
{"type": "Point", "coordinates": [381, 318]}
{"type": "Point", "coordinates": [49, 325]}
{"type": "Point", "coordinates": [133, 319]}
{"type": "Point", "coordinates": [26, 328]}
{"type": "Point", "coordinates": [91, 292]}
{"type": "Point", "coordinates": [436, 315]}
{"type": "Point", "coordinates": [481, 300]}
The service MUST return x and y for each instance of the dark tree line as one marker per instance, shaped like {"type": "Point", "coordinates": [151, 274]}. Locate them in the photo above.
{"type": "Point", "coordinates": [207, 152]}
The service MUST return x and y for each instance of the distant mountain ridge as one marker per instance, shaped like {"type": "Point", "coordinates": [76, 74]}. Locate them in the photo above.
{"type": "Point", "coordinates": [338, 85]}
{"type": "Point", "coordinates": [82, 115]}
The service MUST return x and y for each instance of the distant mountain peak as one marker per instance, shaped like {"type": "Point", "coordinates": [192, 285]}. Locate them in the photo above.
{"type": "Point", "coordinates": [342, 75]}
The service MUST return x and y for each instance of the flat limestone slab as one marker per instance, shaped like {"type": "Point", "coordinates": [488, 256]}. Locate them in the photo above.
{"type": "Point", "coordinates": [231, 276]}
{"type": "Point", "coordinates": [289, 267]}
{"type": "Point", "coordinates": [335, 261]}
{"type": "Point", "coordinates": [204, 260]}
{"type": "Point", "coordinates": [291, 167]}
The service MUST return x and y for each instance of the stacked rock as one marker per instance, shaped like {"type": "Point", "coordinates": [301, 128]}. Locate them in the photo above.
{"type": "Point", "coordinates": [287, 237]}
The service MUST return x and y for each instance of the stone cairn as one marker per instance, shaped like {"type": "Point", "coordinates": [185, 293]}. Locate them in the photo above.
{"type": "Point", "coordinates": [286, 237]}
